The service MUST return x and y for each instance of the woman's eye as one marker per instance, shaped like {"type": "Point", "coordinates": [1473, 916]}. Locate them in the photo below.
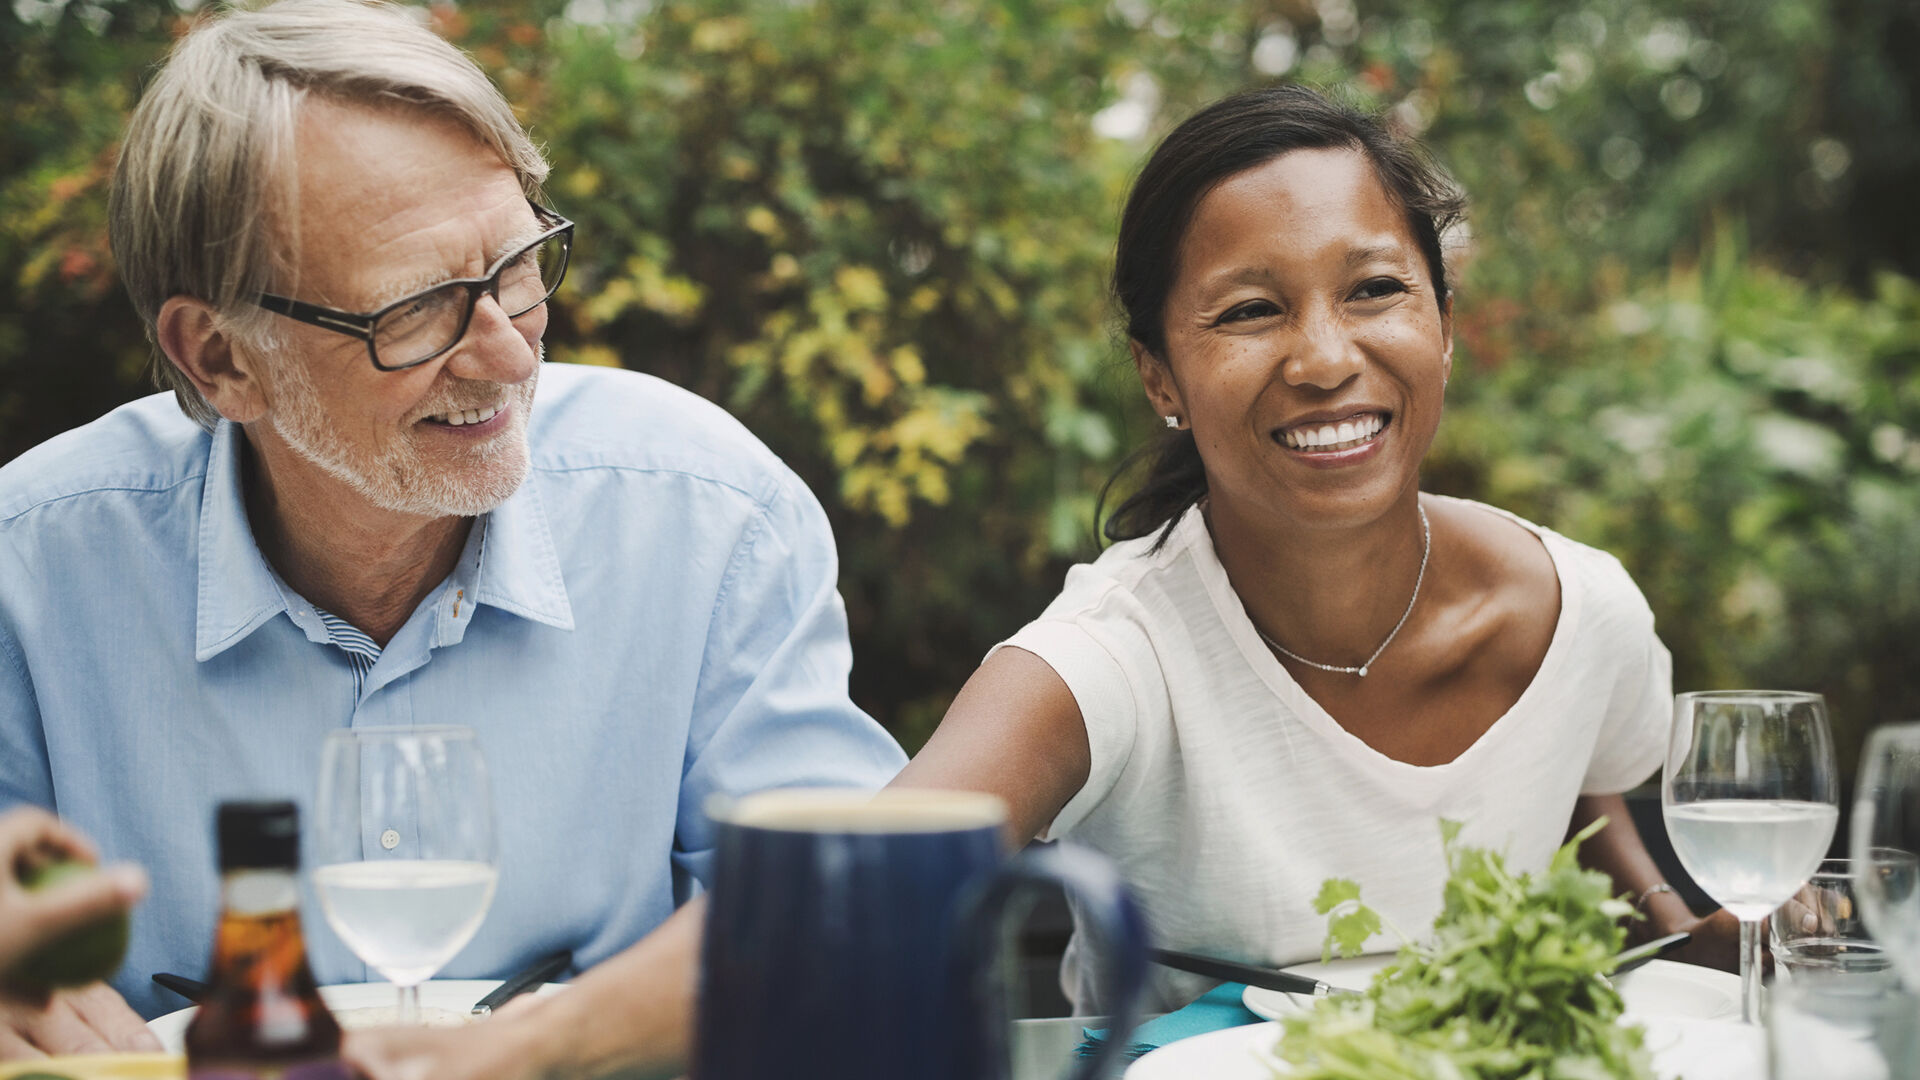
{"type": "Point", "coordinates": [1378, 288]}
{"type": "Point", "coordinates": [1252, 309]}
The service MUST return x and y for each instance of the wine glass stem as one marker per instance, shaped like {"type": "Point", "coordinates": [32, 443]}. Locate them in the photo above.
{"type": "Point", "coordinates": [1750, 970]}
{"type": "Point", "coordinates": [410, 1006]}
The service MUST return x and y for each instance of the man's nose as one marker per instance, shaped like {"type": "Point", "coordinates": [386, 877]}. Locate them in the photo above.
{"type": "Point", "coordinates": [497, 348]}
{"type": "Point", "coordinates": [1323, 355]}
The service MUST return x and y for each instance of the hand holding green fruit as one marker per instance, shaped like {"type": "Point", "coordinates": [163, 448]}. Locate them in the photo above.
{"type": "Point", "coordinates": [63, 921]}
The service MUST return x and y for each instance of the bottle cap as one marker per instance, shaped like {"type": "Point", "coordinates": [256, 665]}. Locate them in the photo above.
{"type": "Point", "coordinates": [259, 836]}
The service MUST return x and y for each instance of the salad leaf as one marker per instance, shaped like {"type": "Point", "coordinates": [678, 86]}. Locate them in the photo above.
{"type": "Point", "coordinates": [1508, 986]}
{"type": "Point", "coordinates": [1352, 923]}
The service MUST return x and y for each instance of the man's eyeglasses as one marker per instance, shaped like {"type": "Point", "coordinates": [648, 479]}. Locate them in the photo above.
{"type": "Point", "coordinates": [415, 329]}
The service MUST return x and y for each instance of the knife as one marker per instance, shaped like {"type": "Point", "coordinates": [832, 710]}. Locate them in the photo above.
{"type": "Point", "coordinates": [1265, 978]}
{"type": "Point", "coordinates": [1640, 954]}
{"type": "Point", "coordinates": [527, 978]}
{"type": "Point", "coordinates": [191, 989]}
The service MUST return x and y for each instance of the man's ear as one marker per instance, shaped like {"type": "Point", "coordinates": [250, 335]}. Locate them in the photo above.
{"type": "Point", "coordinates": [189, 331]}
{"type": "Point", "coordinates": [1157, 380]}
{"type": "Point", "coordinates": [1446, 336]}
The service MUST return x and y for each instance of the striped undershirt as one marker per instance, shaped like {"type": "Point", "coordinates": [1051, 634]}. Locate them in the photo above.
{"type": "Point", "coordinates": [360, 649]}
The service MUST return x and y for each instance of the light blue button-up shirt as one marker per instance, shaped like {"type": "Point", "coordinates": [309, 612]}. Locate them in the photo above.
{"type": "Point", "coordinates": [651, 620]}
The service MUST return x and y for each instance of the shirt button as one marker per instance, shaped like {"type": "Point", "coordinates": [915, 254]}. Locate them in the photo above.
{"type": "Point", "coordinates": [390, 839]}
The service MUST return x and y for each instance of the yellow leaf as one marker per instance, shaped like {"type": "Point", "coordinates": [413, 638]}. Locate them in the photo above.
{"type": "Point", "coordinates": [762, 220]}
{"type": "Point", "coordinates": [719, 35]}
{"type": "Point", "coordinates": [908, 366]}
{"type": "Point", "coordinates": [861, 286]}
{"type": "Point", "coordinates": [846, 446]}
{"type": "Point", "coordinates": [593, 355]}
{"type": "Point", "coordinates": [876, 384]}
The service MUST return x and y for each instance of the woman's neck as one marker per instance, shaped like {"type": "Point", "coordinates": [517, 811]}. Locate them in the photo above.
{"type": "Point", "coordinates": [1331, 595]}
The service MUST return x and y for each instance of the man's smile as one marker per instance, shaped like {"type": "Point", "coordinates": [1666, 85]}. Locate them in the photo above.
{"type": "Point", "coordinates": [462, 417]}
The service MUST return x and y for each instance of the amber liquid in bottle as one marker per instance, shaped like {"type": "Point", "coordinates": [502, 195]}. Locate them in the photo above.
{"type": "Point", "coordinates": [262, 1017]}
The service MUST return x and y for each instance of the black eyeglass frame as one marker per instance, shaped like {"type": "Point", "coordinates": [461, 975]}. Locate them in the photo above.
{"type": "Point", "coordinates": [359, 325]}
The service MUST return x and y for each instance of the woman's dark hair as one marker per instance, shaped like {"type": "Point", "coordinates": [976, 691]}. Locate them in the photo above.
{"type": "Point", "coordinates": [1218, 142]}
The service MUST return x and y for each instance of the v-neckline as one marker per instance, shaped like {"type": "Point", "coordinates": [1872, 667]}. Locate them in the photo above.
{"type": "Point", "coordinates": [1294, 697]}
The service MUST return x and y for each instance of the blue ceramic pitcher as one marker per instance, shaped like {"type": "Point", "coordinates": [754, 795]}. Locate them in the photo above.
{"type": "Point", "coordinates": [856, 936]}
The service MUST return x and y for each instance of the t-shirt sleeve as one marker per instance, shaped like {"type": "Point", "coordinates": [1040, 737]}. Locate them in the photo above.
{"type": "Point", "coordinates": [1633, 734]}
{"type": "Point", "coordinates": [1106, 664]}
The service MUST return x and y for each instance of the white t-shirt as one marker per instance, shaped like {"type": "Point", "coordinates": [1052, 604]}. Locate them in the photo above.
{"type": "Point", "coordinates": [1227, 795]}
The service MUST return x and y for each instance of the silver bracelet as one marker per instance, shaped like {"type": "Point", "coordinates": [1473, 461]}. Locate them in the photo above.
{"type": "Point", "coordinates": [1640, 905]}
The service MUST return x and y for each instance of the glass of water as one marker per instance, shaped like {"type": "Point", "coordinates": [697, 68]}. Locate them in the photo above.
{"type": "Point", "coordinates": [1819, 936]}
{"type": "Point", "coordinates": [1842, 1030]}
{"type": "Point", "coordinates": [405, 861]}
{"type": "Point", "coordinates": [1885, 843]}
{"type": "Point", "coordinates": [1751, 801]}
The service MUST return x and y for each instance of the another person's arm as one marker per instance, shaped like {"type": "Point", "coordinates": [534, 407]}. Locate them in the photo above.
{"type": "Point", "coordinates": [1618, 851]}
{"type": "Point", "coordinates": [89, 1019]}
{"type": "Point", "coordinates": [630, 1017]}
{"type": "Point", "coordinates": [1016, 731]}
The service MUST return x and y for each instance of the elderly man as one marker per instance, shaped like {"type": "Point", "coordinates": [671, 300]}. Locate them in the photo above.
{"type": "Point", "coordinates": [382, 509]}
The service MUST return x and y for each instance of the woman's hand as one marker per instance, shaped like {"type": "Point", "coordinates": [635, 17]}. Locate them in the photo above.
{"type": "Point", "coordinates": [1715, 944]}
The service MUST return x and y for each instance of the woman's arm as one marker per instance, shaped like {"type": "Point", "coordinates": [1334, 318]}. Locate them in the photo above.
{"type": "Point", "coordinates": [1618, 852]}
{"type": "Point", "coordinates": [1015, 730]}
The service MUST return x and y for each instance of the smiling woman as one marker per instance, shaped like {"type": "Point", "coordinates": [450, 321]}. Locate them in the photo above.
{"type": "Point", "coordinates": [1293, 663]}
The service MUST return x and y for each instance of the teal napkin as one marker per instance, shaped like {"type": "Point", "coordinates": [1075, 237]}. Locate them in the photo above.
{"type": "Point", "coordinates": [1218, 1008]}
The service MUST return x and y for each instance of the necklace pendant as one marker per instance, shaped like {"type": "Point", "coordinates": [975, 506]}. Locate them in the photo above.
{"type": "Point", "coordinates": [1426, 549]}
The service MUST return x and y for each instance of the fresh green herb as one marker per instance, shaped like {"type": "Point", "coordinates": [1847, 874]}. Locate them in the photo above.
{"type": "Point", "coordinates": [1352, 922]}
{"type": "Point", "coordinates": [1508, 986]}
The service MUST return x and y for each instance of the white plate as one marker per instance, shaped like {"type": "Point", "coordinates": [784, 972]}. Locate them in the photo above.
{"type": "Point", "coordinates": [1661, 988]}
{"type": "Point", "coordinates": [448, 1001]}
{"type": "Point", "coordinates": [1240, 1053]}
{"type": "Point", "coordinates": [1681, 991]}
{"type": "Point", "coordinates": [1350, 973]}
{"type": "Point", "coordinates": [1693, 1049]}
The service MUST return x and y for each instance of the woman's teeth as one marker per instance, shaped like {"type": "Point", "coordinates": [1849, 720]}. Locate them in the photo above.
{"type": "Point", "coordinates": [1344, 435]}
{"type": "Point", "coordinates": [460, 417]}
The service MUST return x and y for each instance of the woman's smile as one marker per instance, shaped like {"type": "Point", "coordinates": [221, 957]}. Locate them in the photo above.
{"type": "Point", "coordinates": [1331, 436]}
{"type": "Point", "coordinates": [1335, 444]}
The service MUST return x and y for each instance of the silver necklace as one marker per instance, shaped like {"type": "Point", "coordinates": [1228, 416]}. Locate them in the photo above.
{"type": "Point", "coordinates": [1426, 548]}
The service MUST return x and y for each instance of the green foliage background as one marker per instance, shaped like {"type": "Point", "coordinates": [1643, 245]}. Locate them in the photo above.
{"type": "Point", "coordinates": [1689, 330]}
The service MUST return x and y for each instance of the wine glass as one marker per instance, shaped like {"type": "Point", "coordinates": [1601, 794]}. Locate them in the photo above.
{"type": "Point", "coordinates": [1751, 802]}
{"type": "Point", "coordinates": [405, 863]}
{"type": "Point", "coordinates": [1885, 844]}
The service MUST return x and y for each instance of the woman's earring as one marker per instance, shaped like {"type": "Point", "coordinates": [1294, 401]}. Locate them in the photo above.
{"type": "Point", "coordinates": [1172, 422]}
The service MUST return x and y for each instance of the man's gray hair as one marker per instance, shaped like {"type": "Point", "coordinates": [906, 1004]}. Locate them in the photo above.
{"type": "Point", "coordinates": [208, 154]}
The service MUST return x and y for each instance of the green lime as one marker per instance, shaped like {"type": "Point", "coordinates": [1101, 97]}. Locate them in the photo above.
{"type": "Point", "coordinates": [87, 953]}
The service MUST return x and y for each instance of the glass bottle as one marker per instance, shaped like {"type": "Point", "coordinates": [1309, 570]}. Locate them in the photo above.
{"type": "Point", "coordinates": [262, 1017]}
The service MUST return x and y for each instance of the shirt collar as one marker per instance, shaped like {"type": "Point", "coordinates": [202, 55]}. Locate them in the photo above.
{"type": "Point", "coordinates": [518, 572]}
{"type": "Point", "coordinates": [236, 590]}
{"type": "Point", "coordinates": [519, 565]}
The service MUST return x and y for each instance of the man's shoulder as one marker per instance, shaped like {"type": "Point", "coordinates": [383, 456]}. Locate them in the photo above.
{"type": "Point", "coordinates": [595, 418]}
{"type": "Point", "coordinates": [146, 445]}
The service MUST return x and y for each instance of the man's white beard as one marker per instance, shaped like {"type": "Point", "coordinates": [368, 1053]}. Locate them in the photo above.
{"type": "Point", "coordinates": [399, 478]}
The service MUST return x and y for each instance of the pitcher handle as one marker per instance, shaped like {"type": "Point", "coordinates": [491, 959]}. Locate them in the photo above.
{"type": "Point", "coordinates": [1113, 917]}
